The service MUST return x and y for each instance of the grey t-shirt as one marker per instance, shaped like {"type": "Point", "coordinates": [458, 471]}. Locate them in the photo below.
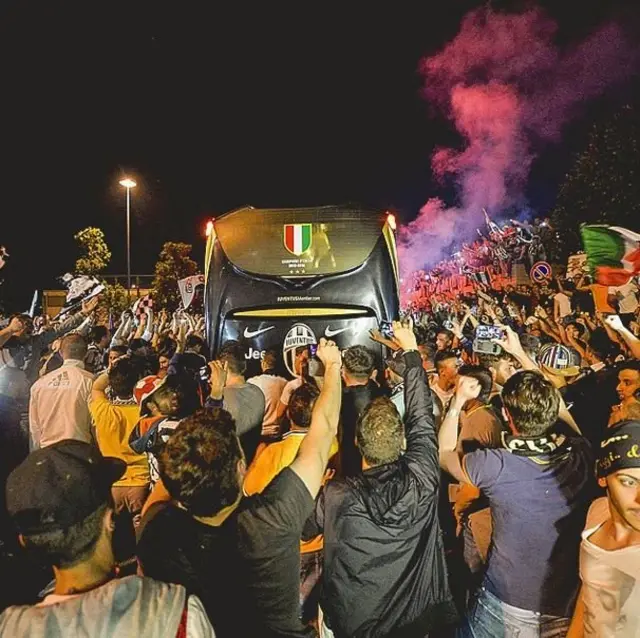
{"type": "Point", "coordinates": [246, 405]}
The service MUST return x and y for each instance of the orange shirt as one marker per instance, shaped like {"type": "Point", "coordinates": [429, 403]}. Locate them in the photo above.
{"type": "Point", "coordinates": [600, 295]}
{"type": "Point", "coordinates": [114, 424]}
{"type": "Point", "coordinates": [158, 494]}
{"type": "Point", "coordinates": [270, 462]}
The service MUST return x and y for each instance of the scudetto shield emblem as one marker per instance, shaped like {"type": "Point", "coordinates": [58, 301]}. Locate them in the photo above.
{"type": "Point", "coordinates": [297, 238]}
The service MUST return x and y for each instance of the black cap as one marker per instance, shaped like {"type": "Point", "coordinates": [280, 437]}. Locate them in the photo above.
{"type": "Point", "coordinates": [620, 449]}
{"type": "Point", "coordinates": [60, 485]}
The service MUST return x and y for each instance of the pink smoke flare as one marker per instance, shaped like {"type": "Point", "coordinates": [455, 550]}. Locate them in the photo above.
{"type": "Point", "coordinates": [509, 89]}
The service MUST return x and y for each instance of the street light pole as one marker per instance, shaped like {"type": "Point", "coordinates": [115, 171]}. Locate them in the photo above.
{"type": "Point", "coordinates": [129, 240]}
{"type": "Point", "coordinates": [128, 184]}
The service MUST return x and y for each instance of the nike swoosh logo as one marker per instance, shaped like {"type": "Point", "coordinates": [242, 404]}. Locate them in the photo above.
{"type": "Point", "coordinates": [248, 334]}
{"type": "Point", "coordinates": [332, 333]}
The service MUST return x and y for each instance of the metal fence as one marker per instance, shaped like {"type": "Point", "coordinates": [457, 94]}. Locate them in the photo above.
{"type": "Point", "coordinates": [137, 281]}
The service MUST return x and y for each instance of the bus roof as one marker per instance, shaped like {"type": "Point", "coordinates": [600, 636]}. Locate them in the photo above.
{"type": "Point", "coordinates": [299, 242]}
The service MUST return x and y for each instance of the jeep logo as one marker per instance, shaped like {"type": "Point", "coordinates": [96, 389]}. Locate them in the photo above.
{"type": "Point", "coordinates": [254, 354]}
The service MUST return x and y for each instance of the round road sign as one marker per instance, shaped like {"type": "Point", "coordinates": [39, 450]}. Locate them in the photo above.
{"type": "Point", "coordinates": [540, 272]}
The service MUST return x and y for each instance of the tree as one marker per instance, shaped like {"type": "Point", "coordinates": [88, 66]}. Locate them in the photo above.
{"type": "Point", "coordinates": [603, 186]}
{"type": "Point", "coordinates": [173, 264]}
{"type": "Point", "coordinates": [115, 299]}
{"type": "Point", "coordinates": [93, 260]}
{"type": "Point", "coordinates": [95, 254]}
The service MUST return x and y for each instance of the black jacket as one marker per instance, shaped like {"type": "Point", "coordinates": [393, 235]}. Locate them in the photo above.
{"type": "Point", "coordinates": [384, 566]}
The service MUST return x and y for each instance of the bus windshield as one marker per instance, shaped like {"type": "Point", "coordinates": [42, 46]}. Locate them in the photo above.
{"type": "Point", "coordinates": [298, 242]}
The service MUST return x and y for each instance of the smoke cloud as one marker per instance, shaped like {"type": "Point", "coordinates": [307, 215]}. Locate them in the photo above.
{"type": "Point", "coordinates": [508, 88]}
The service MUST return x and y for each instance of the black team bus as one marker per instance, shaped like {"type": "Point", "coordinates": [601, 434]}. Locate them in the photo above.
{"type": "Point", "coordinates": [283, 278]}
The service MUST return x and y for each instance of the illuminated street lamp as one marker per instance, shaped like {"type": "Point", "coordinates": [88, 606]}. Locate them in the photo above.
{"type": "Point", "coordinates": [128, 183]}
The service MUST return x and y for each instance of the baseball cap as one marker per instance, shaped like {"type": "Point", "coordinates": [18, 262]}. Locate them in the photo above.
{"type": "Point", "coordinates": [559, 359]}
{"type": "Point", "coordinates": [145, 388]}
{"type": "Point", "coordinates": [60, 485]}
{"type": "Point", "coordinates": [620, 448]}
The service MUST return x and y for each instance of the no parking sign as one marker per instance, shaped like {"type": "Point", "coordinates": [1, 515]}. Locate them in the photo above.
{"type": "Point", "coordinates": [540, 272]}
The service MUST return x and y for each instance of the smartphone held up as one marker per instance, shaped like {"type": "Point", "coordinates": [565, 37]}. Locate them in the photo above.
{"type": "Point", "coordinates": [316, 368]}
{"type": "Point", "coordinates": [386, 329]}
{"type": "Point", "coordinates": [484, 339]}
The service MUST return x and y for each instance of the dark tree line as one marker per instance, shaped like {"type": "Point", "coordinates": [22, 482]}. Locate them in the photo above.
{"type": "Point", "coordinates": [603, 186]}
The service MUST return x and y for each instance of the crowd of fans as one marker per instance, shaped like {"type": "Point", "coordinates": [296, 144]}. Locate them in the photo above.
{"type": "Point", "coordinates": [446, 490]}
{"type": "Point", "coordinates": [492, 256]}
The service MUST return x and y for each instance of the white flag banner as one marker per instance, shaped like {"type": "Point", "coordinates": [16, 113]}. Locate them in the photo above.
{"type": "Point", "coordinates": [3, 255]}
{"type": "Point", "coordinates": [577, 265]}
{"type": "Point", "coordinates": [187, 288]}
{"type": "Point", "coordinates": [34, 303]}
{"type": "Point", "coordinates": [79, 288]}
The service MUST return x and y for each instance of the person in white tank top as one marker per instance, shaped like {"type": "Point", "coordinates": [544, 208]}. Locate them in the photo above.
{"type": "Point", "coordinates": [609, 602]}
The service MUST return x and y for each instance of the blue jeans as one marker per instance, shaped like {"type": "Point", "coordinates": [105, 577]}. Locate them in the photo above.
{"type": "Point", "coordinates": [310, 581]}
{"type": "Point", "coordinates": [489, 617]}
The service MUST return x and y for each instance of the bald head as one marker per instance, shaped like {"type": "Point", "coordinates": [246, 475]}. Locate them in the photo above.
{"type": "Point", "coordinates": [73, 346]}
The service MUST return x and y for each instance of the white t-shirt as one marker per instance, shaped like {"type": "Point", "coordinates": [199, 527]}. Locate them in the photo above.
{"type": "Point", "coordinates": [443, 396]}
{"type": "Point", "coordinates": [564, 304]}
{"type": "Point", "coordinates": [292, 385]}
{"type": "Point", "coordinates": [129, 606]}
{"type": "Point", "coordinates": [610, 591]}
{"type": "Point", "coordinates": [59, 405]}
{"type": "Point", "coordinates": [198, 623]}
{"type": "Point", "coordinates": [272, 387]}
{"type": "Point", "coordinates": [627, 297]}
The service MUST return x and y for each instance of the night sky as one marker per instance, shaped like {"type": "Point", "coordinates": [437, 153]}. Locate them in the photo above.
{"type": "Point", "coordinates": [213, 109]}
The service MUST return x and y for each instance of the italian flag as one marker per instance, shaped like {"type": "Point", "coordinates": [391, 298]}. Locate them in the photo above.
{"type": "Point", "coordinates": [613, 253]}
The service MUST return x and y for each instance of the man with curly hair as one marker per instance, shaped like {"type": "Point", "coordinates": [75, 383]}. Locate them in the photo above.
{"type": "Point", "coordinates": [238, 551]}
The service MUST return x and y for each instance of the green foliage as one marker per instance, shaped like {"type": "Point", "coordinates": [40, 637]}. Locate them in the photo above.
{"type": "Point", "coordinates": [603, 187]}
{"type": "Point", "coordinates": [173, 264]}
{"type": "Point", "coordinates": [114, 299]}
{"type": "Point", "coordinates": [95, 255]}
